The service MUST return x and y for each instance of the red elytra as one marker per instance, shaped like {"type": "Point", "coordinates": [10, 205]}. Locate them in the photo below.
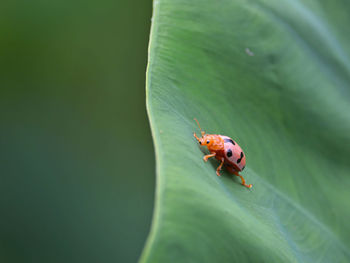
{"type": "Point", "coordinates": [224, 149]}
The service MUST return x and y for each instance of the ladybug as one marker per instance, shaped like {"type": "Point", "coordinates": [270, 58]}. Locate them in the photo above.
{"type": "Point", "coordinates": [224, 149]}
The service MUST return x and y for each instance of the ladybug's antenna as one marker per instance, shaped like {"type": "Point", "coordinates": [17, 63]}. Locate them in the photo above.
{"type": "Point", "coordinates": [202, 132]}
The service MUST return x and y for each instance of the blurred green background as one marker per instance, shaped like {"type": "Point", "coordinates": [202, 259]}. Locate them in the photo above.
{"type": "Point", "coordinates": [77, 161]}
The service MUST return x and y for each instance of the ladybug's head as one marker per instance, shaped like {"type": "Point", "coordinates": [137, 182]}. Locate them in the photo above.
{"type": "Point", "coordinates": [206, 139]}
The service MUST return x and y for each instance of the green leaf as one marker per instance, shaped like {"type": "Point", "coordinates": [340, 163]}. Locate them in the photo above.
{"type": "Point", "coordinates": [273, 75]}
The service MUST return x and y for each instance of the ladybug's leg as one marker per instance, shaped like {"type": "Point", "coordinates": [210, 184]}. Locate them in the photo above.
{"type": "Point", "coordinates": [243, 181]}
{"type": "Point", "coordinates": [231, 170]}
{"type": "Point", "coordinates": [219, 168]}
{"type": "Point", "coordinates": [205, 158]}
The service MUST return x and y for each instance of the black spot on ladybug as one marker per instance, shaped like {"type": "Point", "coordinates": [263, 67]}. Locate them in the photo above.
{"type": "Point", "coordinates": [229, 153]}
{"type": "Point", "coordinates": [229, 140]}
{"type": "Point", "coordinates": [200, 142]}
{"type": "Point", "coordinates": [240, 159]}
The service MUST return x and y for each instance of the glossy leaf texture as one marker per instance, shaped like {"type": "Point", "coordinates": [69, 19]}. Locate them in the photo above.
{"type": "Point", "coordinates": [275, 76]}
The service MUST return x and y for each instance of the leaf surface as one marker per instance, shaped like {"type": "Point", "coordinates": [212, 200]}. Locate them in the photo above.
{"type": "Point", "coordinates": [274, 76]}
